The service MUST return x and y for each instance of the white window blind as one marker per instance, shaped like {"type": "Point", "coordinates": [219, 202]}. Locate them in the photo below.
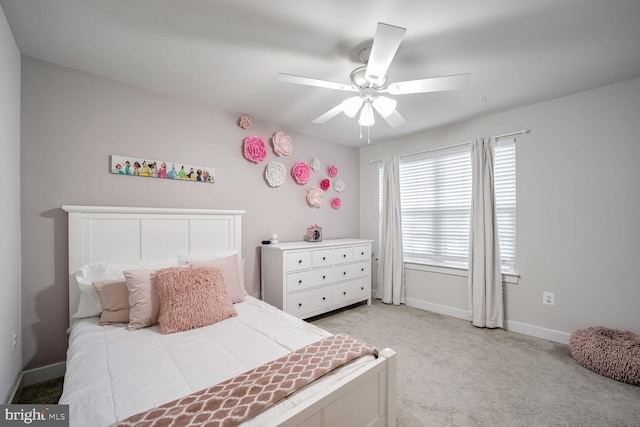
{"type": "Point", "coordinates": [380, 201]}
{"type": "Point", "coordinates": [435, 193]}
{"type": "Point", "coordinates": [435, 198]}
{"type": "Point", "coordinates": [504, 173]}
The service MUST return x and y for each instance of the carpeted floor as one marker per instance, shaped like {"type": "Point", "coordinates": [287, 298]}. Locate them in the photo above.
{"type": "Point", "coordinates": [453, 374]}
{"type": "Point", "coordinates": [42, 393]}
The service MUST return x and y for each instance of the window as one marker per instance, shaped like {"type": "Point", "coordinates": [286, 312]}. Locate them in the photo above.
{"type": "Point", "coordinates": [504, 174]}
{"type": "Point", "coordinates": [380, 200]}
{"type": "Point", "coordinates": [435, 195]}
{"type": "Point", "coordinates": [435, 198]}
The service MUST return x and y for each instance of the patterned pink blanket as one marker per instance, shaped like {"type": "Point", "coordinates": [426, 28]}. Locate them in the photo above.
{"type": "Point", "coordinates": [238, 399]}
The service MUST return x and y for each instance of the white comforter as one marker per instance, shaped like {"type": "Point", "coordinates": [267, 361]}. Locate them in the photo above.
{"type": "Point", "coordinates": [113, 373]}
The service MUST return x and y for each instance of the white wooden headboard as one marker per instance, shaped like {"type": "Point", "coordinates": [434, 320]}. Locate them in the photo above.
{"type": "Point", "coordinates": [108, 233]}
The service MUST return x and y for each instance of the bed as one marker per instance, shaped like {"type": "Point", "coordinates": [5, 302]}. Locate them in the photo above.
{"type": "Point", "coordinates": [114, 373]}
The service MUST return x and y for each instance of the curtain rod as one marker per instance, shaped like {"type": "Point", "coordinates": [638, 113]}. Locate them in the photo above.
{"type": "Point", "coordinates": [506, 135]}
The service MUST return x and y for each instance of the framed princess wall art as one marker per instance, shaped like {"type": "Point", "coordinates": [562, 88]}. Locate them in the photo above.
{"type": "Point", "coordinates": [163, 169]}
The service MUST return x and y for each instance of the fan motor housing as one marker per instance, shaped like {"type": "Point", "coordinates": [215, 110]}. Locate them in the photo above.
{"type": "Point", "coordinates": [360, 81]}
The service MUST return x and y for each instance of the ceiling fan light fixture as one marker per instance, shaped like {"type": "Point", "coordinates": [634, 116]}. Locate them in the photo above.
{"type": "Point", "coordinates": [366, 115]}
{"type": "Point", "coordinates": [385, 106]}
{"type": "Point", "coordinates": [351, 106]}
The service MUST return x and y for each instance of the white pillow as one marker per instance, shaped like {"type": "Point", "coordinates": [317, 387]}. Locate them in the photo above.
{"type": "Point", "coordinates": [88, 274]}
{"type": "Point", "coordinates": [204, 257]}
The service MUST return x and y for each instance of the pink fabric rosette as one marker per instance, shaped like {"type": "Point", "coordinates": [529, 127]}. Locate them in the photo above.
{"type": "Point", "coordinates": [324, 184]}
{"type": "Point", "coordinates": [332, 171]}
{"type": "Point", "coordinates": [282, 145]}
{"type": "Point", "coordinates": [254, 149]}
{"type": "Point", "coordinates": [335, 203]}
{"type": "Point", "coordinates": [245, 122]}
{"type": "Point", "coordinates": [314, 196]}
{"type": "Point", "coordinates": [301, 172]}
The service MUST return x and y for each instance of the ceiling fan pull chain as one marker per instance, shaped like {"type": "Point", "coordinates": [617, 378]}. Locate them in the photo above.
{"type": "Point", "coordinates": [360, 126]}
{"type": "Point", "coordinates": [368, 141]}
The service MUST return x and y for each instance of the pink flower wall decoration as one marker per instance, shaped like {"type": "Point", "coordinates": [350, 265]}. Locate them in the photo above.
{"type": "Point", "coordinates": [245, 122]}
{"type": "Point", "coordinates": [254, 149]}
{"type": "Point", "coordinates": [335, 203]}
{"type": "Point", "coordinates": [314, 196]}
{"type": "Point", "coordinates": [282, 144]}
{"type": "Point", "coordinates": [301, 172]}
{"type": "Point", "coordinates": [324, 184]}
{"type": "Point", "coordinates": [332, 171]}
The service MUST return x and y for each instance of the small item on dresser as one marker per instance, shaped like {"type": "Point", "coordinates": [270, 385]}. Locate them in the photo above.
{"type": "Point", "coordinates": [274, 239]}
{"type": "Point", "coordinates": [266, 242]}
{"type": "Point", "coordinates": [314, 233]}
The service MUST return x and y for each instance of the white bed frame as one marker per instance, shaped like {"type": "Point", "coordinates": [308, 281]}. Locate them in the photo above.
{"type": "Point", "coordinates": [105, 233]}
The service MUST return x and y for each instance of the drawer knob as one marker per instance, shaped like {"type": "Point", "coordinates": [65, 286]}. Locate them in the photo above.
{"type": "Point", "coordinates": [344, 273]}
{"type": "Point", "coordinates": [344, 293]}
{"type": "Point", "coordinates": [324, 277]}
{"type": "Point", "coordinates": [299, 261]}
{"type": "Point", "coordinates": [362, 269]}
{"type": "Point", "coordinates": [299, 305]}
{"type": "Point", "coordinates": [361, 253]}
{"type": "Point", "coordinates": [324, 298]}
{"type": "Point", "coordinates": [324, 258]}
{"type": "Point", "coordinates": [299, 282]}
{"type": "Point", "coordinates": [344, 255]}
{"type": "Point", "coordinates": [362, 288]}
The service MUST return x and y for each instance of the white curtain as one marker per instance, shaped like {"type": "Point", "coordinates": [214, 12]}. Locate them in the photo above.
{"type": "Point", "coordinates": [485, 279]}
{"type": "Point", "coordinates": [391, 288]}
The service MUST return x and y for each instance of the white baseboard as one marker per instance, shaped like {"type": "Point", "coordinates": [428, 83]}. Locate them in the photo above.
{"type": "Point", "coordinates": [440, 309]}
{"type": "Point", "coordinates": [538, 332]}
{"type": "Point", "coordinates": [17, 389]}
{"type": "Point", "coordinates": [510, 325]}
{"type": "Point", "coordinates": [45, 373]}
{"type": "Point", "coordinates": [35, 376]}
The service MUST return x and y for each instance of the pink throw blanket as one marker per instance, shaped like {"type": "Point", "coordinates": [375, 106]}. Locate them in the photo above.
{"type": "Point", "coordinates": [238, 399]}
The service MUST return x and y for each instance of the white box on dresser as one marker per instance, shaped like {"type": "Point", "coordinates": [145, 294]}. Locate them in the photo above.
{"type": "Point", "coordinates": [310, 278]}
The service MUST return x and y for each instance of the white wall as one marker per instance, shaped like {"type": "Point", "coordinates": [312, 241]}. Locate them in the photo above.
{"type": "Point", "coordinates": [72, 121]}
{"type": "Point", "coordinates": [10, 361]}
{"type": "Point", "coordinates": [578, 207]}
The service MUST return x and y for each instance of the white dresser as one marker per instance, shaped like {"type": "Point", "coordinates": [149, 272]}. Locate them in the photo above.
{"type": "Point", "coordinates": [306, 279]}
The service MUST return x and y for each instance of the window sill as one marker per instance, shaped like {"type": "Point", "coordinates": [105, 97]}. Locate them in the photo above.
{"type": "Point", "coordinates": [511, 277]}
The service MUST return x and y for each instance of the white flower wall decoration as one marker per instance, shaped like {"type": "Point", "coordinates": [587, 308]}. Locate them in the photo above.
{"type": "Point", "coordinates": [275, 174]}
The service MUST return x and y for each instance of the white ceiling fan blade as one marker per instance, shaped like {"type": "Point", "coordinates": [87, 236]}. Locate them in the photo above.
{"type": "Point", "coordinates": [329, 114]}
{"type": "Point", "coordinates": [435, 84]}
{"type": "Point", "coordinates": [395, 119]}
{"type": "Point", "coordinates": [385, 45]}
{"type": "Point", "coordinates": [290, 78]}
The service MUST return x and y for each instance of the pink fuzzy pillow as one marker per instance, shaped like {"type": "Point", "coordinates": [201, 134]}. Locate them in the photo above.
{"type": "Point", "coordinates": [191, 298]}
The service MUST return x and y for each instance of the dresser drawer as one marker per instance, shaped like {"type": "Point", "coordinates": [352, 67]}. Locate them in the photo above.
{"type": "Point", "coordinates": [358, 289]}
{"type": "Point", "coordinates": [296, 261]}
{"type": "Point", "coordinates": [322, 258]}
{"type": "Point", "coordinates": [362, 253]}
{"type": "Point", "coordinates": [303, 303]}
{"type": "Point", "coordinates": [342, 255]}
{"type": "Point", "coordinates": [309, 279]}
{"type": "Point", "coordinates": [351, 271]}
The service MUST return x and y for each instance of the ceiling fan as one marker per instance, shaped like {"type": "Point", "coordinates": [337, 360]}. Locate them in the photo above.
{"type": "Point", "coordinates": [370, 82]}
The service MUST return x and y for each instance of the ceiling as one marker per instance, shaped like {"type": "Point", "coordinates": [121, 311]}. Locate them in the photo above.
{"type": "Point", "coordinates": [227, 53]}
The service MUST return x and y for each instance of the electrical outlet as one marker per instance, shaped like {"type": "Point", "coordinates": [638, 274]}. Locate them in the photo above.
{"type": "Point", "coordinates": [548, 298]}
{"type": "Point", "coordinates": [14, 340]}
